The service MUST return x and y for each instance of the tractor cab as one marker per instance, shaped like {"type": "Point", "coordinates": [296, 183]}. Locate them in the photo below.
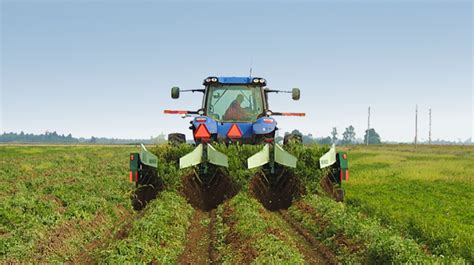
{"type": "Point", "coordinates": [235, 109]}
{"type": "Point", "coordinates": [234, 99]}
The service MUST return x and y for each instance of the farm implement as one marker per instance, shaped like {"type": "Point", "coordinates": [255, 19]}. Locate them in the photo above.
{"type": "Point", "coordinates": [235, 110]}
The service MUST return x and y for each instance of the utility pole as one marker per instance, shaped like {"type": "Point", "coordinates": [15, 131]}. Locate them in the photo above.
{"type": "Point", "coordinates": [429, 138]}
{"type": "Point", "coordinates": [416, 125]}
{"type": "Point", "coordinates": [368, 126]}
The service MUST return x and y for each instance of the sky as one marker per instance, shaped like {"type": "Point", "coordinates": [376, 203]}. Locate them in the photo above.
{"type": "Point", "coordinates": [103, 68]}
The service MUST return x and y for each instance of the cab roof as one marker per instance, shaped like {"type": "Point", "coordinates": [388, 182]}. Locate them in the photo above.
{"type": "Point", "coordinates": [234, 80]}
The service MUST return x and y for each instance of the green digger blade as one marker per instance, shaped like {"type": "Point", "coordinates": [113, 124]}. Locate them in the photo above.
{"type": "Point", "coordinates": [260, 158]}
{"type": "Point", "coordinates": [328, 158]}
{"type": "Point", "coordinates": [192, 159]}
{"type": "Point", "coordinates": [282, 157]}
{"type": "Point", "coordinates": [148, 158]}
{"type": "Point", "coordinates": [215, 157]}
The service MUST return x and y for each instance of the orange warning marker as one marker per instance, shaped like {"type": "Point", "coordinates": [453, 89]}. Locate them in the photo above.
{"type": "Point", "coordinates": [234, 131]}
{"type": "Point", "coordinates": [202, 132]}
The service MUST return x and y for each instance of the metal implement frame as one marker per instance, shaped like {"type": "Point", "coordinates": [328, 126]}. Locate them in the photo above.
{"type": "Point", "coordinates": [279, 155]}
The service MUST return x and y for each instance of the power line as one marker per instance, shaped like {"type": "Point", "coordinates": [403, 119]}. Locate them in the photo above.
{"type": "Point", "coordinates": [416, 125]}
{"type": "Point", "coordinates": [429, 139]}
{"type": "Point", "coordinates": [368, 126]}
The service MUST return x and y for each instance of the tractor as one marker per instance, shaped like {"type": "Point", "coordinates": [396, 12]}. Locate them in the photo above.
{"type": "Point", "coordinates": [235, 110]}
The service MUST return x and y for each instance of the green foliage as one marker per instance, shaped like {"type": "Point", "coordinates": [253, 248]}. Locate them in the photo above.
{"type": "Point", "coordinates": [263, 230]}
{"type": "Point", "coordinates": [168, 163]}
{"type": "Point", "coordinates": [307, 166]}
{"type": "Point", "coordinates": [380, 245]}
{"type": "Point", "coordinates": [400, 201]}
{"type": "Point", "coordinates": [426, 193]}
{"type": "Point", "coordinates": [47, 137]}
{"type": "Point", "coordinates": [374, 137]}
{"type": "Point", "coordinates": [334, 135]}
{"type": "Point", "coordinates": [238, 155]}
{"type": "Point", "coordinates": [158, 236]}
{"type": "Point", "coordinates": [348, 136]}
{"type": "Point", "coordinates": [55, 138]}
{"type": "Point", "coordinates": [44, 190]}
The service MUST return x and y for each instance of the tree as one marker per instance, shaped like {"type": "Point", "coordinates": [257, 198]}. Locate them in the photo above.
{"type": "Point", "coordinates": [161, 138]}
{"type": "Point", "coordinates": [334, 135]}
{"type": "Point", "coordinates": [374, 137]}
{"type": "Point", "coordinates": [349, 135]}
{"type": "Point", "coordinates": [278, 139]}
{"type": "Point", "coordinates": [296, 132]}
{"type": "Point", "coordinates": [325, 140]}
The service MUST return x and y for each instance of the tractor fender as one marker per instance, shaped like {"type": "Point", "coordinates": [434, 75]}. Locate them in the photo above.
{"type": "Point", "coordinates": [264, 125]}
{"type": "Point", "coordinates": [210, 124]}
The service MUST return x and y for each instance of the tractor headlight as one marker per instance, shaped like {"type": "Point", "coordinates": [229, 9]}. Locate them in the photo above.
{"type": "Point", "coordinates": [208, 80]}
{"type": "Point", "coordinates": [262, 80]}
{"type": "Point", "coordinates": [214, 79]}
{"type": "Point", "coordinates": [256, 80]}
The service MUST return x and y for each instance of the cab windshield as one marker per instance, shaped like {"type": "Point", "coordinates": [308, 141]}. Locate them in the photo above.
{"type": "Point", "coordinates": [234, 103]}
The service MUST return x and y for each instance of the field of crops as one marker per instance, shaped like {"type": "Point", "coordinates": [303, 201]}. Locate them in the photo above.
{"type": "Point", "coordinates": [426, 193]}
{"type": "Point", "coordinates": [72, 203]}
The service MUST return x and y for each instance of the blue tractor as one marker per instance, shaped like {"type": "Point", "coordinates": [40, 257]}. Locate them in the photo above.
{"type": "Point", "coordinates": [234, 110]}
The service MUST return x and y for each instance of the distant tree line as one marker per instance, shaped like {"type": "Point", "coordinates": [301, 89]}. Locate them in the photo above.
{"type": "Point", "coordinates": [54, 137]}
{"type": "Point", "coordinates": [47, 137]}
{"type": "Point", "coordinates": [348, 137]}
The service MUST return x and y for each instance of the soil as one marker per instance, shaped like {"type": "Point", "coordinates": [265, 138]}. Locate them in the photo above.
{"type": "Point", "coordinates": [213, 253]}
{"type": "Point", "coordinates": [303, 207]}
{"type": "Point", "coordinates": [207, 197]}
{"type": "Point", "coordinates": [341, 239]}
{"type": "Point", "coordinates": [60, 204]}
{"type": "Point", "coordinates": [239, 246]}
{"type": "Point", "coordinates": [276, 197]}
{"type": "Point", "coordinates": [199, 248]}
{"type": "Point", "coordinates": [144, 194]}
{"type": "Point", "coordinates": [328, 187]}
{"type": "Point", "coordinates": [54, 241]}
{"type": "Point", "coordinates": [313, 250]}
{"type": "Point", "coordinates": [124, 225]}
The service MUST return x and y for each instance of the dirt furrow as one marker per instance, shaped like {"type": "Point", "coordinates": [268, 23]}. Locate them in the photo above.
{"type": "Point", "coordinates": [213, 255]}
{"type": "Point", "coordinates": [200, 238]}
{"type": "Point", "coordinates": [313, 250]}
{"type": "Point", "coordinates": [124, 225]}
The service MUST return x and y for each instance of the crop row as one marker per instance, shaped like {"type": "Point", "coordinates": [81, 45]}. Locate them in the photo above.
{"type": "Point", "coordinates": [248, 233]}
{"type": "Point", "coordinates": [307, 166]}
{"type": "Point", "coordinates": [425, 193]}
{"type": "Point", "coordinates": [55, 200]}
{"type": "Point", "coordinates": [157, 236]}
{"type": "Point", "coordinates": [356, 238]}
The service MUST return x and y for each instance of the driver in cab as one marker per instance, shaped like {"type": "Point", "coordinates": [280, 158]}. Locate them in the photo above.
{"type": "Point", "coordinates": [235, 111]}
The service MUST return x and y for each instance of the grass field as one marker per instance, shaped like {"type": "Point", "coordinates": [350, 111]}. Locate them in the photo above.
{"type": "Point", "coordinates": [71, 203]}
{"type": "Point", "coordinates": [425, 192]}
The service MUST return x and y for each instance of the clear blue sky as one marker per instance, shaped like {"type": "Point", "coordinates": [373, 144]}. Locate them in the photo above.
{"type": "Point", "coordinates": [105, 69]}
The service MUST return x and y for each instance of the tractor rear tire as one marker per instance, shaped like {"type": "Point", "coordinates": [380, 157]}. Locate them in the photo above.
{"type": "Point", "coordinates": [176, 138]}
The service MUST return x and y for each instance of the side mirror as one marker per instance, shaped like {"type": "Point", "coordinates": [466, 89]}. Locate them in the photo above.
{"type": "Point", "coordinates": [175, 92]}
{"type": "Point", "coordinates": [295, 93]}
